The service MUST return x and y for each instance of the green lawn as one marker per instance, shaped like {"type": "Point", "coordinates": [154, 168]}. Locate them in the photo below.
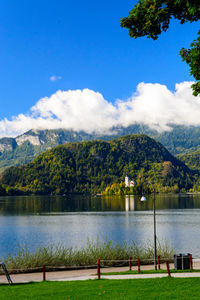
{"type": "Point", "coordinates": [160, 288]}
{"type": "Point", "coordinates": [135, 272]}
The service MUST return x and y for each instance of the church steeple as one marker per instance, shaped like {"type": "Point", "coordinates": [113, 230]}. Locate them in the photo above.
{"type": "Point", "coordinates": [126, 181]}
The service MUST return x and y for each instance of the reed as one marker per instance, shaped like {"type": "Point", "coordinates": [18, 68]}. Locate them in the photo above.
{"type": "Point", "coordinates": [109, 253]}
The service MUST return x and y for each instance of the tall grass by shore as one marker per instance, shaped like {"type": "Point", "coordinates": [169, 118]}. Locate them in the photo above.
{"type": "Point", "coordinates": [107, 251]}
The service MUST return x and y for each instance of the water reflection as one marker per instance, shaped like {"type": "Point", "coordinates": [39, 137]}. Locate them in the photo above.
{"type": "Point", "coordinates": [129, 203]}
{"type": "Point", "coordinates": [36, 221]}
{"type": "Point", "coordinates": [61, 204]}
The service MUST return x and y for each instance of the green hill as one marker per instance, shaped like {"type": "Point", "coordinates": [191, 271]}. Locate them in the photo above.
{"type": "Point", "coordinates": [191, 159]}
{"type": "Point", "coordinates": [26, 147]}
{"type": "Point", "coordinates": [91, 166]}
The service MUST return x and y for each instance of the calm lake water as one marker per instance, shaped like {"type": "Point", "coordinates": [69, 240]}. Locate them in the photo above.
{"type": "Point", "coordinates": [36, 221]}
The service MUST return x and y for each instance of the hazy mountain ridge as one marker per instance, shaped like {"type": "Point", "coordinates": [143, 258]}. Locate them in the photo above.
{"type": "Point", "coordinates": [24, 148]}
{"type": "Point", "coordinates": [7, 144]}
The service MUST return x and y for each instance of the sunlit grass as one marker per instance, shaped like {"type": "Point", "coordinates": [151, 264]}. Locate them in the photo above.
{"type": "Point", "coordinates": [159, 288]}
{"type": "Point", "coordinates": [109, 253]}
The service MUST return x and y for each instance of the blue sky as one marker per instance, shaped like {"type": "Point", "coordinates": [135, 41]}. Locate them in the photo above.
{"type": "Point", "coordinates": [80, 44]}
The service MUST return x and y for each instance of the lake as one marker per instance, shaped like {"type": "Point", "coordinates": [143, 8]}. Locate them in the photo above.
{"type": "Point", "coordinates": [34, 221]}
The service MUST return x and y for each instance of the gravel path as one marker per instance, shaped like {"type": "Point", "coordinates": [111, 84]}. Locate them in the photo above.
{"type": "Point", "coordinates": [86, 274]}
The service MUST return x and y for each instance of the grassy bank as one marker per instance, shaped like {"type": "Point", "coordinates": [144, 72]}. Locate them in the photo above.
{"type": "Point", "coordinates": [160, 288]}
{"type": "Point", "coordinates": [86, 256]}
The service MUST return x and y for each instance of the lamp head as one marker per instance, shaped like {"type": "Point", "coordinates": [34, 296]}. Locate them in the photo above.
{"type": "Point", "coordinates": [143, 198]}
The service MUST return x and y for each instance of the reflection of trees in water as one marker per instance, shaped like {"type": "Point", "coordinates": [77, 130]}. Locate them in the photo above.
{"type": "Point", "coordinates": [59, 204]}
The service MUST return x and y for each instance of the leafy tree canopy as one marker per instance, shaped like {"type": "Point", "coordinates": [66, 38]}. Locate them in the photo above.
{"type": "Point", "coordinates": [151, 17]}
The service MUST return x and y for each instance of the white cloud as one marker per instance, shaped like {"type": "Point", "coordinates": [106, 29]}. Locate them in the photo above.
{"type": "Point", "coordinates": [158, 107]}
{"type": "Point", "coordinates": [55, 78]}
{"type": "Point", "coordinates": [152, 104]}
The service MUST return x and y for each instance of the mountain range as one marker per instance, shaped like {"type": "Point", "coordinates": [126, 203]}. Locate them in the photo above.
{"type": "Point", "coordinates": [24, 148]}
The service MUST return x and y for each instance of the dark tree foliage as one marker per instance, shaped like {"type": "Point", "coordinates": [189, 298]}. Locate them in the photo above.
{"type": "Point", "coordinates": [151, 17]}
{"type": "Point", "coordinates": [191, 159]}
{"type": "Point", "coordinates": [2, 190]}
{"type": "Point", "coordinates": [192, 58]}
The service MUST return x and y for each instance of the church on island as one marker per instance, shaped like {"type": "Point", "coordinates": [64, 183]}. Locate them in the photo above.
{"type": "Point", "coordinates": [129, 182]}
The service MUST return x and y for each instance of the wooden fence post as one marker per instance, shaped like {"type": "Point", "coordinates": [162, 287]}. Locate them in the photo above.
{"type": "Point", "coordinates": [191, 262]}
{"type": "Point", "coordinates": [138, 265]}
{"type": "Point", "coordinates": [44, 273]}
{"type": "Point", "coordinates": [129, 263]}
{"type": "Point", "coordinates": [158, 262]}
{"type": "Point", "coordinates": [98, 269]}
{"type": "Point", "coordinates": [168, 270]}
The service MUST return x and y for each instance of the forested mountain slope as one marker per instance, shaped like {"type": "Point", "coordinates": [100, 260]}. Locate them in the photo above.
{"type": "Point", "coordinates": [192, 159]}
{"type": "Point", "coordinates": [24, 148]}
{"type": "Point", "coordinates": [91, 166]}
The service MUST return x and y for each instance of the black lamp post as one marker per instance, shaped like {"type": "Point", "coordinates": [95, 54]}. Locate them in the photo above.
{"type": "Point", "coordinates": [154, 223]}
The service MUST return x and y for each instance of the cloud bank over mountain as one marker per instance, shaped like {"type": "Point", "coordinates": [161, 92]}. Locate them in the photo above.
{"type": "Point", "coordinates": [152, 104]}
